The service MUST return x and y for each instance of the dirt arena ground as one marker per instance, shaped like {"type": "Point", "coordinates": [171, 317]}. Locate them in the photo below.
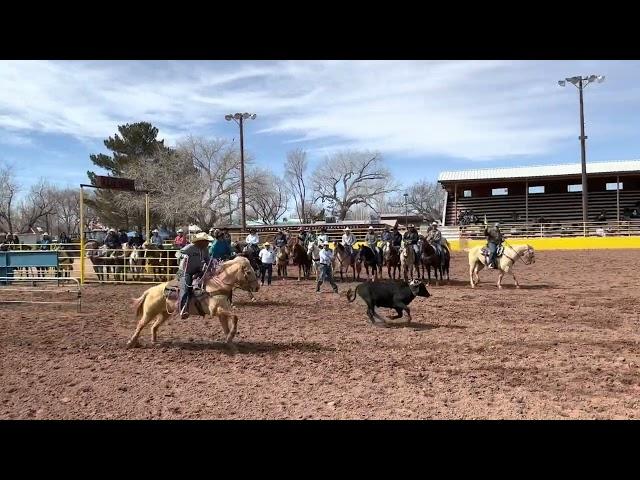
{"type": "Point", "coordinates": [566, 345]}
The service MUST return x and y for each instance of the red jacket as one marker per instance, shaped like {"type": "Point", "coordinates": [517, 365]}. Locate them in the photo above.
{"type": "Point", "coordinates": [180, 241]}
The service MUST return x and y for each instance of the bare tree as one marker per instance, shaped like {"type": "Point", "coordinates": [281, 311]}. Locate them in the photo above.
{"type": "Point", "coordinates": [295, 168]}
{"type": "Point", "coordinates": [350, 178]}
{"type": "Point", "coordinates": [218, 162]}
{"type": "Point", "coordinates": [9, 188]}
{"type": "Point", "coordinates": [175, 186]}
{"type": "Point", "coordinates": [67, 201]}
{"type": "Point", "coordinates": [424, 198]}
{"type": "Point", "coordinates": [38, 205]}
{"type": "Point", "coordinates": [267, 197]}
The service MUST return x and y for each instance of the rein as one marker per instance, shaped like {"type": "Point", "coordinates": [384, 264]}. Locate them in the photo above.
{"type": "Point", "coordinates": [518, 254]}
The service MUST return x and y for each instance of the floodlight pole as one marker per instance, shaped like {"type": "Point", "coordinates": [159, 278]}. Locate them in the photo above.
{"type": "Point", "coordinates": [583, 156]}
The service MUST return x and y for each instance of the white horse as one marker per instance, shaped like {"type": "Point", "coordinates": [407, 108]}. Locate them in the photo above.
{"type": "Point", "coordinates": [505, 262]}
{"type": "Point", "coordinates": [313, 251]}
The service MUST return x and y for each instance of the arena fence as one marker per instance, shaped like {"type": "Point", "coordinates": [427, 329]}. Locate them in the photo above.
{"type": "Point", "coordinates": [121, 268]}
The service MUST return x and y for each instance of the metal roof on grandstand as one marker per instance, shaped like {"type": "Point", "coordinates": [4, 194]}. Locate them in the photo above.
{"type": "Point", "coordinates": [540, 171]}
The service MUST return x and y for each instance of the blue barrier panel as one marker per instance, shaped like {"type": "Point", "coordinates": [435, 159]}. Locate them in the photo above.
{"type": "Point", "coordinates": [11, 260]}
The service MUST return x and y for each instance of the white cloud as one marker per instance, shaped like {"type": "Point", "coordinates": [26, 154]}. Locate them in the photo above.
{"type": "Point", "coordinates": [463, 109]}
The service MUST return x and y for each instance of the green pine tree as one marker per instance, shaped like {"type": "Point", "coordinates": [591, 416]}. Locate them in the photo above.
{"type": "Point", "coordinates": [134, 142]}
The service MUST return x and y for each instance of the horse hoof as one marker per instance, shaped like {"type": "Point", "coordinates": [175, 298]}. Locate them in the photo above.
{"type": "Point", "coordinates": [517, 286]}
{"type": "Point", "coordinates": [132, 344]}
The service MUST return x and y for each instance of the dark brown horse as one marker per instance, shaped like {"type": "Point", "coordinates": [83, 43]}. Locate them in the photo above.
{"type": "Point", "coordinates": [367, 257]}
{"type": "Point", "coordinates": [391, 258]}
{"type": "Point", "coordinates": [430, 259]}
{"type": "Point", "coordinates": [301, 260]}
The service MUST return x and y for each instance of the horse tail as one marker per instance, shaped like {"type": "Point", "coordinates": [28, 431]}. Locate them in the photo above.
{"type": "Point", "coordinates": [349, 294]}
{"type": "Point", "coordinates": [138, 304]}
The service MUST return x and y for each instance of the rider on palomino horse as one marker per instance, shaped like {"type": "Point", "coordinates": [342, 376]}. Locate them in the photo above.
{"type": "Point", "coordinates": [194, 259]}
{"type": "Point", "coordinates": [494, 240]}
{"type": "Point", "coordinates": [348, 240]}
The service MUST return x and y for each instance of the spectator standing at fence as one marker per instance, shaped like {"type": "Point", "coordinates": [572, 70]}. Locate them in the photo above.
{"type": "Point", "coordinates": [14, 239]}
{"type": "Point", "coordinates": [45, 243]}
{"type": "Point", "coordinates": [112, 241]}
{"type": "Point", "coordinates": [226, 235]}
{"type": "Point", "coordinates": [124, 238]}
{"type": "Point", "coordinates": [156, 239]}
{"type": "Point", "coordinates": [137, 240]}
{"type": "Point", "coordinates": [181, 240]}
{"type": "Point", "coordinates": [267, 259]}
{"type": "Point", "coordinates": [3, 237]}
{"type": "Point", "coordinates": [64, 239]}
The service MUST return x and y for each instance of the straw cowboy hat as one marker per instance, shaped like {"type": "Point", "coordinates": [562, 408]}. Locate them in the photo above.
{"type": "Point", "coordinates": [180, 230]}
{"type": "Point", "coordinates": [347, 228]}
{"type": "Point", "coordinates": [155, 230]}
{"type": "Point", "coordinates": [435, 224]}
{"type": "Point", "coordinates": [201, 237]}
{"type": "Point", "coordinates": [266, 244]}
{"type": "Point", "coordinates": [45, 234]}
{"type": "Point", "coordinates": [371, 228]}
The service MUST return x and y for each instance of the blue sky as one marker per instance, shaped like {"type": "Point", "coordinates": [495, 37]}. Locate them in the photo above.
{"type": "Point", "coordinates": [423, 116]}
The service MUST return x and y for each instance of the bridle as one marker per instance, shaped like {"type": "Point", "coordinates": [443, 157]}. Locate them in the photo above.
{"type": "Point", "coordinates": [518, 254]}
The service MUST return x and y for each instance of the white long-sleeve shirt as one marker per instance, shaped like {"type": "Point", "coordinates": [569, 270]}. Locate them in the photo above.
{"type": "Point", "coordinates": [326, 256]}
{"type": "Point", "coordinates": [348, 239]}
{"type": "Point", "coordinates": [267, 256]}
{"type": "Point", "coordinates": [253, 238]}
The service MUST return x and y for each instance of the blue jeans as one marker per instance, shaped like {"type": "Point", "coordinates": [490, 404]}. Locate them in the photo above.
{"type": "Point", "coordinates": [268, 269]}
{"type": "Point", "coordinates": [326, 274]}
{"type": "Point", "coordinates": [186, 280]}
{"type": "Point", "coordinates": [493, 248]}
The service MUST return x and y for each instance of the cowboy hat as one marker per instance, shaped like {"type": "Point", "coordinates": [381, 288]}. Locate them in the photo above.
{"type": "Point", "coordinates": [346, 228]}
{"type": "Point", "coordinates": [45, 234]}
{"type": "Point", "coordinates": [371, 228]}
{"type": "Point", "coordinates": [411, 225]}
{"type": "Point", "coordinates": [155, 230]}
{"type": "Point", "coordinates": [112, 230]}
{"type": "Point", "coordinates": [201, 237]}
{"type": "Point", "coordinates": [266, 244]}
{"type": "Point", "coordinates": [434, 223]}
{"type": "Point", "coordinates": [180, 230]}
{"type": "Point", "coordinates": [325, 244]}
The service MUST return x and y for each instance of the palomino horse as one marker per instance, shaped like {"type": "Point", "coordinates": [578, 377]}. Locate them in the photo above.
{"type": "Point", "coordinates": [505, 262]}
{"type": "Point", "coordinates": [282, 258]}
{"type": "Point", "coordinates": [153, 303]}
{"type": "Point", "coordinates": [345, 260]}
{"type": "Point", "coordinates": [367, 257]}
{"type": "Point", "coordinates": [408, 261]}
{"type": "Point", "coordinates": [391, 258]}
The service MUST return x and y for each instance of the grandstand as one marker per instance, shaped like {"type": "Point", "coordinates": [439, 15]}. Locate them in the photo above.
{"type": "Point", "coordinates": [550, 194]}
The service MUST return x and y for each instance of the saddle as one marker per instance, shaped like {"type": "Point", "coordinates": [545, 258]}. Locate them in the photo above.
{"type": "Point", "coordinates": [485, 252]}
{"type": "Point", "coordinates": [172, 295]}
